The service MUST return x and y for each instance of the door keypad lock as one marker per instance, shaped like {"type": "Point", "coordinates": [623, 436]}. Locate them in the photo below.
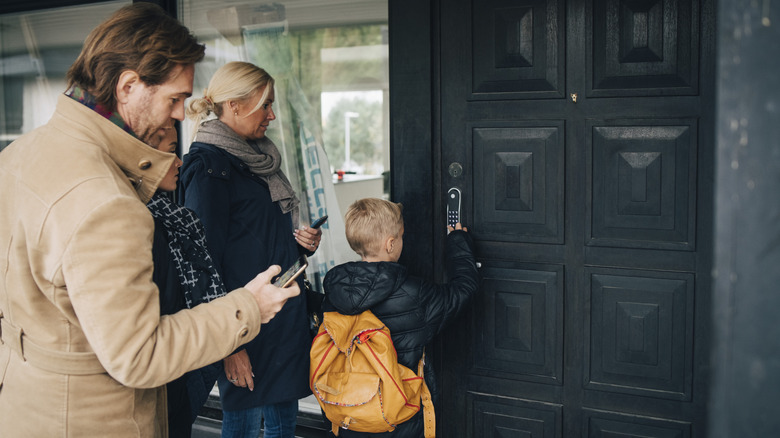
{"type": "Point", "coordinates": [453, 207]}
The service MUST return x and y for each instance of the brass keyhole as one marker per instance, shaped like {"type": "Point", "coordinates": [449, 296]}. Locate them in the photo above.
{"type": "Point", "coordinates": [574, 97]}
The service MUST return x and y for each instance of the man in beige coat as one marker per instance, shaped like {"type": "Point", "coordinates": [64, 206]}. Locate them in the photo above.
{"type": "Point", "coordinates": [84, 350]}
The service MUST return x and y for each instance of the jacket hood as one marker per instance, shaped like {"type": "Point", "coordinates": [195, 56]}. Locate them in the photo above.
{"type": "Point", "coordinates": [358, 286]}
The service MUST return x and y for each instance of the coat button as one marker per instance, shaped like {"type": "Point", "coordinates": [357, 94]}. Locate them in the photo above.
{"type": "Point", "coordinates": [144, 164]}
{"type": "Point", "coordinates": [244, 331]}
{"type": "Point", "coordinates": [238, 314]}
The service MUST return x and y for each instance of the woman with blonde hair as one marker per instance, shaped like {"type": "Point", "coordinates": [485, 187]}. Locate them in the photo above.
{"type": "Point", "coordinates": [232, 179]}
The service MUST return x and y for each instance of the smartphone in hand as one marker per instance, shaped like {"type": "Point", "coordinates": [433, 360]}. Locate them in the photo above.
{"type": "Point", "coordinates": [292, 272]}
{"type": "Point", "coordinates": [318, 223]}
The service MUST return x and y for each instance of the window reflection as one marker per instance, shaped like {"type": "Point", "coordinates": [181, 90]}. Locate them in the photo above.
{"type": "Point", "coordinates": [36, 50]}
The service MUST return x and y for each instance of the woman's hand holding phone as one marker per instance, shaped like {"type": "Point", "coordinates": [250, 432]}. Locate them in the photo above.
{"type": "Point", "coordinates": [309, 237]}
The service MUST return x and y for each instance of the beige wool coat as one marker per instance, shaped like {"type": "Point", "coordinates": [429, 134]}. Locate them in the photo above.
{"type": "Point", "coordinates": [85, 352]}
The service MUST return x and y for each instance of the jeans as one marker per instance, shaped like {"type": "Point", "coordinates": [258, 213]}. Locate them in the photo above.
{"type": "Point", "coordinates": [280, 420]}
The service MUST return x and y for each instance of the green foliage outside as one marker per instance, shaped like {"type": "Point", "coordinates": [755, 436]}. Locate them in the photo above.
{"type": "Point", "coordinates": [365, 136]}
{"type": "Point", "coordinates": [317, 76]}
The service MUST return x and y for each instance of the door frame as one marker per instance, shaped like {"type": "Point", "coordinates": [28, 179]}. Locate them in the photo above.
{"type": "Point", "coordinates": [414, 143]}
{"type": "Point", "coordinates": [13, 6]}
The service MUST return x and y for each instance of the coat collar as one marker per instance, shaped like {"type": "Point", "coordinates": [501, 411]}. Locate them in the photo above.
{"type": "Point", "coordinates": [143, 165]}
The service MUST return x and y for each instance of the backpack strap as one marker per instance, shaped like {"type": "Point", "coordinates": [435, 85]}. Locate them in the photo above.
{"type": "Point", "coordinates": [429, 416]}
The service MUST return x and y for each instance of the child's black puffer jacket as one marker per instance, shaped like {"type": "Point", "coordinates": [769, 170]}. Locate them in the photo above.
{"type": "Point", "coordinates": [413, 309]}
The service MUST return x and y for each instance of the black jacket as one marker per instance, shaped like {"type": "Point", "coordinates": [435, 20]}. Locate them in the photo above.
{"type": "Point", "coordinates": [413, 309]}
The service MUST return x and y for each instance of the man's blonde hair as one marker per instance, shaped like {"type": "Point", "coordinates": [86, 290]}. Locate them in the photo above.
{"type": "Point", "coordinates": [369, 222]}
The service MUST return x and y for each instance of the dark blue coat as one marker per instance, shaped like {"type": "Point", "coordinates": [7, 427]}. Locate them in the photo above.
{"type": "Point", "coordinates": [246, 233]}
{"type": "Point", "coordinates": [413, 309]}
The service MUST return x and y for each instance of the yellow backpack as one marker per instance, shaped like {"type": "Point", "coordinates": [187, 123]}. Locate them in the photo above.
{"type": "Point", "coordinates": [355, 375]}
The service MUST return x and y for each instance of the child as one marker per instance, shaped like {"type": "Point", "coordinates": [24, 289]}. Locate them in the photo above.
{"type": "Point", "coordinates": [413, 309]}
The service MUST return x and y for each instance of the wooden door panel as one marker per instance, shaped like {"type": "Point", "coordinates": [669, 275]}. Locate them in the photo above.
{"type": "Point", "coordinates": [603, 424]}
{"type": "Point", "coordinates": [642, 184]}
{"type": "Point", "coordinates": [494, 417]}
{"type": "Point", "coordinates": [639, 333]}
{"type": "Point", "coordinates": [527, 56]}
{"type": "Point", "coordinates": [518, 181]}
{"type": "Point", "coordinates": [647, 48]}
{"type": "Point", "coordinates": [518, 324]}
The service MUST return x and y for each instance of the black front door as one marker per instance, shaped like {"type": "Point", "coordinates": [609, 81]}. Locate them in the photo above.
{"type": "Point", "coordinates": [581, 136]}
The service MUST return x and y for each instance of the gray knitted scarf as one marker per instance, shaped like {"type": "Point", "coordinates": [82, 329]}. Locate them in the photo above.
{"type": "Point", "coordinates": [262, 157]}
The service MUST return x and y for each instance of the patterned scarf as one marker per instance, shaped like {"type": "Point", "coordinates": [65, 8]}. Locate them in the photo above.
{"type": "Point", "coordinates": [88, 100]}
{"type": "Point", "coordinates": [187, 242]}
{"type": "Point", "coordinates": [262, 157]}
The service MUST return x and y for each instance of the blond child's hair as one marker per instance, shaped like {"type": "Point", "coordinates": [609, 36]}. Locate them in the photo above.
{"type": "Point", "coordinates": [369, 222]}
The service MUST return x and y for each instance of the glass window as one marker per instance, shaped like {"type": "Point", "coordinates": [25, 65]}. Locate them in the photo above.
{"type": "Point", "coordinates": [36, 50]}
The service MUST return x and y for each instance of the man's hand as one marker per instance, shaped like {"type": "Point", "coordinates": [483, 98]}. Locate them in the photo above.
{"type": "Point", "coordinates": [270, 298]}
